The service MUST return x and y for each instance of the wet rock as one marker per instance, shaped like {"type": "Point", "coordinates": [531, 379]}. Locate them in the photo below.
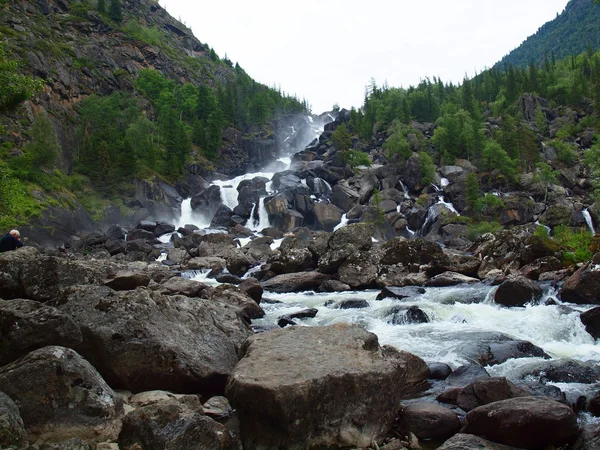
{"type": "Point", "coordinates": [488, 390]}
{"type": "Point", "coordinates": [206, 262]}
{"type": "Point", "coordinates": [589, 438]}
{"type": "Point", "coordinates": [26, 325]}
{"type": "Point", "coordinates": [218, 408]}
{"type": "Point", "coordinates": [76, 401]}
{"type": "Point", "coordinates": [462, 441]}
{"type": "Point", "coordinates": [142, 340]}
{"type": "Point", "coordinates": [351, 304]}
{"type": "Point", "coordinates": [541, 266]}
{"type": "Point", "coordinates": [518, 292]}
{"type": "Point", "coordinates": [464, 375]}
{"type": "Point", "coordinates": [13, 434]}
{"type": "Point", "coordinates": [591, 320]}
{"type": "Point", "coordinates": [173, 424]}
{"type": "Point", "coordinates": [449, 395]}
{"type": "Point", "coordinates": [429, 421]}
{"type": "Point", "coordinates": [142, 235]}
{"type": "Point", "coordinates": [292, 260]}
{"type": "Point", "coordinates": [252, 287]}
{"type": "Point", "coordinates": [450, 279]}
{"type": "Point", "coordinates": [228, 278]}
{"type": "Point", "coordinates": [536, 389]}
{"type": "Point", "coordinates": [559, 371]}
{"type": "Point", "coordinates": [295, 282]}
{"type": "Point", "coordinates": [583, 287]}
{"type": "Point", "coordinates": [439, 371]}
{"type": "Point", "coordinates": [489, 348]}
{"type": "Point", "coordinates": [519, 422]}
{"type": "Point", "coordinates": [358, 235]}
{"type": "Point", "coordinates": [239, 262]}
{"type": "Point", "coordinates": [404, 315]}
{"type": "Point", "coordinates": [593, 405]}
{"type": "Point", "coordinates": [116, 232]}
{"type": "Point", "coordinates": [334, 286]}
{"type": "Point", "coordinates": [328, 215]}
{"type": "Point", "coordinates": [344, 197]}
{"type": "Point", "coordinates": [128, 280]}
{"type": "Point", "coordinates": [400, 293]}
{"type": "Point", "coordinates": [344, 395]}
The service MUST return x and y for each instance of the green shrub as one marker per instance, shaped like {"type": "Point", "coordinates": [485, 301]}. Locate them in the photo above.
{"type": "Point", "coordinates": [476, 230]}
{"type": "Point", "coordinates": [355, 158]}
{"type": "Point", "coordinates": [565, 152]}
{"type": "Point", "coordinates": [574, 244]}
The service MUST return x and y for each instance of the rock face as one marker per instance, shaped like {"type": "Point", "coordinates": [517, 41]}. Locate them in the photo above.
{"type": "Point", "coordinates": [429, 421]}
{"type": "Point", "coordinates": [484, 391]}
{"type": "Point", "coordinates": [141, 340]}
{"type": "Point", "coordinates": [295, 282]}
{"type": "Point", "coordinates": [591, 320]}
{"type": "Point", "coordinates": [346, 393]}
{"type": "Point", "coordinates": [527, 422]}
{"type": "Point", "coordinates": [470, 442]}
{"type": "Point", "coordinates": [583, 287]}
{"type": "Point", "coordinates": [26, 325]}
{"type": "Point", "coordinates": [171, 424]}
{"type": "Point", "coordinates": [12, 434]}
{"type": "Point", "coordinates": [518, 292]}
{"type": "Point", "coordinates": [76, 401]}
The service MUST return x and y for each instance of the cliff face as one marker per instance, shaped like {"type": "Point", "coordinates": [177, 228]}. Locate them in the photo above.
{"type": "Point", "coordinates": [78, 52]}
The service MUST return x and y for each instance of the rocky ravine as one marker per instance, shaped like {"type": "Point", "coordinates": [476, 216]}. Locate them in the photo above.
{"type": "Point", "coordinates": [113, 349]}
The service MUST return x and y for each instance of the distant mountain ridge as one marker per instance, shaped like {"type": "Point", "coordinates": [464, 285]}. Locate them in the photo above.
{"type": "Point", "coordinates": [570, 33]}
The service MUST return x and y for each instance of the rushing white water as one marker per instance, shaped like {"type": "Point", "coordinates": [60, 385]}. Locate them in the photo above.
{"type": "Point", "coordinates": [343, 223]}
{"type": "Point", "coordinates": [450, 206]}
{"type": "Point", "coordinates": [263, 217]}
{"type": "Point", "coordinates": [406, 194]}
{"type": "Point", "coordinates": [190, 217]}
{"type": "Point", "coordinates": [588, 219]}
{"type": "Point", "coordinates": [456, 313]}
{"type": "Point", "coordinates": [444, 182]}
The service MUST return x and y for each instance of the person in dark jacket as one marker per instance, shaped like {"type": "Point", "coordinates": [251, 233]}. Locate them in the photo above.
{"type": "Point", "coordinates": [10, 241]}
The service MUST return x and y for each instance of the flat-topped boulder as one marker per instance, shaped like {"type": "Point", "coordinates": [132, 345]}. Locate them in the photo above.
{"type": "Point", "coordinates": [323, 387]}
{"type": "Point", "coordinates": [295, 282]}
{"type": "Point", "coordinates": [142, 340]}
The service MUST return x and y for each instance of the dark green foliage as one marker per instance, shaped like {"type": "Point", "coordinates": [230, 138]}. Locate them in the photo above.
{"type": "Point", "coordinates": [341, 138]}
{"type": "Point", "coordinates": [101, 6]}
{"type": "Point", "coordinates": [427, 169]}
{"type": "Point", "coordinates": [355, 158]}
{"type": "Point", "coordinates": [569, 34]}
{"type": "Point", "coordinates": [473, 192]}
{"type": "Point", "coordinates": [396, 145]}
{"type": "Point", "coordinates": [114, 11]}
{"type": "Point", "coordinates": [43, 149]}
{"type": "Point", "coordinates": [476, 230]}
{"type": "Point", "coordinates": [15, 87]}
{"type": "Point", "coordinates": [495, 158]}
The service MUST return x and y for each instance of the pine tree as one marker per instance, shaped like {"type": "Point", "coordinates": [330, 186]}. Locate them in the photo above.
{"type": "Point", "coordinates": [114, 11]}
{"type": "Point", "coordinates": [472, 192]}
{"type": "Point", "coordinates": [101, 6]}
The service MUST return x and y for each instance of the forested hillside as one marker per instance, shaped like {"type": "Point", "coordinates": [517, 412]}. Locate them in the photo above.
{"type": "Point", "coordinates": [97, 96]}
{"type": "Point", "coordinates": [577, 28]}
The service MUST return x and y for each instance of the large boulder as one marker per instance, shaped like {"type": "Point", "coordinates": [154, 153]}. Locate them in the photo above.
{"type": "Point", "coordinates": [12, 430]}
{"type": "Point", "coordinates": [360, 269]}
{"type": "Point", "coordinates": [172, 424]}
{"type": "Point", "coordinates": [591, 320]}
{"type": "Point", "coordinates": [142, 340]}
{"type": "Point", "coordinates": [527, 422]}
{"type": "Point", "coordinates": [583, 287]}
{"type": "Point", "coordinates": [403, 251]}
{"type": "Point", "coordinates": [61, 396]}
{"type": "Point", "coordinates": [327, 215]}
{"type": "Point", "coordinates": [491, 348]}
{"type": "Point", "coordinates": [487, 390]}
{"type": "Point", "coordinates": [359, 235]}
{"type": "Point", "coordinates": [429, 421]}
{"type": "Point", "coordinates": [295, 282]}
{"type": "Point", "coordinates": [518, 292]}
{"type": "Point", "coordinates": [559, 371]}
{"type": "Point", "coordinates": [26, 325]}
{"type": "Point", "coordinates": [462, 441]}
{"type": "Point", "coordinates": [25, 273]}
{"type": "Point", "coordinates": [128, 280]}
{"type": "Point", "coordinates": [345, 394]}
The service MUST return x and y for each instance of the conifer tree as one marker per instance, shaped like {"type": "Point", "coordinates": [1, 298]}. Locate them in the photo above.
{"type": "Point", "coordinates": [114, 11]}
{"type": "Point", "coordinates": [101, 6]}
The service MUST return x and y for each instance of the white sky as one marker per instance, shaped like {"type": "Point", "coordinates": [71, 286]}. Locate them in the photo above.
{"type": "Point", "coordinates": [328, 50]}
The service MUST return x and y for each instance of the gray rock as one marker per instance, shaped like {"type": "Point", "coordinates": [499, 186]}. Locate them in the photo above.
{"type": "Point", "coordinates": [295, 282]}
{"type": "Point", "coordinates": [345, 394]}
{"type": "Point", "coordinates": [450, 279]}
{"type": "Point", "coordinates": [429, 421]}
{"type": "Point", "coordinates": [12, 434]}
{"type": "Point", "coordinates": [328, 215]}
{"type": "Point", "coordinates": [404, 315]}
{"type": "Point", "coordinates": [487, 390]}
{"type": "Point", "coordinates": [464, 375]}
{"type": "Point", "coordinates": [400, 293]}
{"type": "Point", "coordinates": [518, 292]}
{"type": "Point", "coordinates": [26, 325]}
{"type": "Point", "coordinates": [518, 422]}
{"type": "Point", "coordinates": [128, 280]}
{"type": "Point", "coordinates": [439, 371]}
{"type": "Point", "coordinates": [462, 441]}
{"type": "Point", "coordinates": [591, 320]}
{"type": "Point", "coordinates": [141, 340]}
{"type": "Point", "coordinates": [490, 348]}
{"type": "Point", "coordinates": [76, 401]}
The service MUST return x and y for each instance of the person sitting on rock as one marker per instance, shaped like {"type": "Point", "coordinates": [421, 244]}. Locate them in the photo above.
{"type": "Point", "coordinates": [10, 241]}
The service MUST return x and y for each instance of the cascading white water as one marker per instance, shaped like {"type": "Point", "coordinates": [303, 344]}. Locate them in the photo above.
{"type": "Point", "coordinates": [190, 217]}
{"type": "Point", "coordinates": [406, 194]}
{"type": "Point", "coordinates": [343, 223]}
{"type": "Point", "coordinates": [455, 313]}
{"type": "Point", "coordinates": [444, 182]}
{"type": "Point", "coordinates": [450, 206]}
{"type": "Point", "coordinates": [588, 219]}
{"type": "Point", "coordinates": [263, 217]}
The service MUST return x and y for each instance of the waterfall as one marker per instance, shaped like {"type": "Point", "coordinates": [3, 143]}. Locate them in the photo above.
{"type": "Point", "coordinates": [450, 206]}
{"type": "Point", "coordinates": [343, 223]}
{"type": "Point", "coordinates": [263, 216]}
{"type": "Point", "coordinates": [444, 182]}
{"type": "Point", "coordinates": [406, 194]}
{"type": "Point", "coordinates": [588, 219]}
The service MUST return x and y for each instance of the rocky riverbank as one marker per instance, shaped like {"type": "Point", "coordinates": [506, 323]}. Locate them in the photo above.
{"type": "Point", "coordinates": [103, 347]}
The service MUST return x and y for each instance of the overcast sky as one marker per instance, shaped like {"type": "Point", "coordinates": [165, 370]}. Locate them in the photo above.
{"type": "Point", "coordinates": [328, 50]}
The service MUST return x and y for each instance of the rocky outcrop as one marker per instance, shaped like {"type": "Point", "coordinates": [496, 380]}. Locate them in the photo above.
{"type": "Point", "coordinates": [77, 401]}
{"type": "Point", "coordinates": [591, 320]}
{"type": "Point", "coordinates": [584, 286]}
{"type": "Point", "coordinates": [13, 433]}
{"type": "Point", "coordinates": [526, 422]}
{"type": "Point", "coordinates": [26, 325]}
{"type": "Point", "coordinates": [174, 424]}
{"type": "Point", "coordinates": [141, 340]}
{"type": "Point", "coordinates": [344, 394]}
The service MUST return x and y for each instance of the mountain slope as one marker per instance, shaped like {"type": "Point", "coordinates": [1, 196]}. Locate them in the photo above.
{"type": "Point", "coordinates": [576, 28]}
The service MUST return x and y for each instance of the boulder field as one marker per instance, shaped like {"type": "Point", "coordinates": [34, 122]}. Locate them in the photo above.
{"type": "Point", "coordinates": [103, 347]}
